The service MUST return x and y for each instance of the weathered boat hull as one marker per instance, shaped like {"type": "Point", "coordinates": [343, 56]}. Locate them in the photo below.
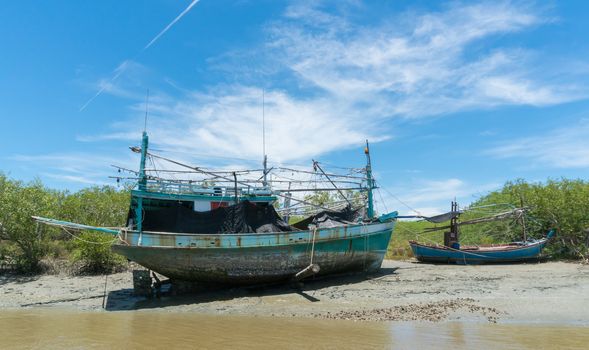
{"type": "Point", "coordinates": [498, 254]}
{"type": "Point", "coordinates": [258, 258]}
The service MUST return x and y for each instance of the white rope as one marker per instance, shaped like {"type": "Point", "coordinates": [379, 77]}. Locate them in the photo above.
{"type": "Point", "coordinates": [86, 241]}
{"type": "Point", "coordinates": [313, 245]}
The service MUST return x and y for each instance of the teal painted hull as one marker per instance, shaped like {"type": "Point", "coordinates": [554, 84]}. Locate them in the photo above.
{"type": "Point", "coordinates": [258, 258]}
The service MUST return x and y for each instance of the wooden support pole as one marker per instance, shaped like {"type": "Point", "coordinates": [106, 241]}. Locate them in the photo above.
{"type": "Point", "coordinates": [307, 272]}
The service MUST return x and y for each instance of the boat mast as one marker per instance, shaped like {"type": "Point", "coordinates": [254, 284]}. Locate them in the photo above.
{"type": "Point", "coordinates": [265, 181]}
{"type": "Point", "coordinates": [142, 177]}
{"type": "Point", "coordinates": [451, 238]}
{"type": "Point", "coordinates": [523, 219]}
{"type": "Point", "coordinates": [369, 181]}
{"type": "Point", "coordinates": [142, 184]}
{"type": "Point", "coordinates": [144, 143]}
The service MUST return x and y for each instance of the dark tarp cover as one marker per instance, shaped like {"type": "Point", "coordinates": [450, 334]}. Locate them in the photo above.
{"type": "Point", "coordinates": [244, 217]}
{"type": "Point", "coordinates": [443, 217]}
{"type": "Point", "coordinates": [331, 218]}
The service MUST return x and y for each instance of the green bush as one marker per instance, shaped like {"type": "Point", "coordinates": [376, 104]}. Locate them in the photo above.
{"type": "Point", "coordinates": [25, 243]}
{"type": "Point", "coordinates": [18, 202]}
{"type": "Point", "coordinates": [92, 250]}
{"type": "Point", "coordinates": [562, 205]}
{"type": "Point", "coordinates": [7, 253]}
{"type": "Point", "coordinates": [96, 206]}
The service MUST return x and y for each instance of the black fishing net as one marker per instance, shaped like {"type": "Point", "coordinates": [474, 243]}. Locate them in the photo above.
{"type": "Point", "coordinates": [332, 218]}
{"type": "Point", "coordinates": [243, 217]}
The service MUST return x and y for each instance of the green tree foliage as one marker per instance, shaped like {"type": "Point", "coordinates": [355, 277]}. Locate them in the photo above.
{"type": "Point", "coordinates": [560, 204]}
{"type": "Point", "coordinates": [26, 243]}
{"type": "Point", "coordinates": [96, 206]}
{"type": "Point", "coordinates": [326, 198]}
{"type": "Point", "coordinates": [92, 249]}
{"type": "Point", "coordinates": [18, 202]}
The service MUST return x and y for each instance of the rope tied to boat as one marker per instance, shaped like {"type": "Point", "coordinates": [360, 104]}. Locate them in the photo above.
{"type": "Point", "coordinates": [312, 268]}
{"type": "Point", "coordinates": [313, 244]}
{"type": "Point", "coordinates": [85, 240]}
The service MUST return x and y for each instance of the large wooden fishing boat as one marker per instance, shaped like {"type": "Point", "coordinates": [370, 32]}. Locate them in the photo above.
{"type": "Point", "coordinates": [200, 232]}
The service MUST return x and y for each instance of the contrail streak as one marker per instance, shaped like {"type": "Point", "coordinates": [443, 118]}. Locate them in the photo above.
{"type": "Point", "coordinates": [123, 66]}
{"type": "Point", "coordinates": [120, 70]}
{"type": "Point", "coordinates": [171, 24]}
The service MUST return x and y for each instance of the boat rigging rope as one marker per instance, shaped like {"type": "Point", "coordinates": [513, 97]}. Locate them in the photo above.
{"type": "Point", "coordinates": [314, 173]}
{"type": "Point", "coordinates": [382, 200]}
{"type": "Point", "coordinates": [86, 241]}
{"type": "Point", "coordinates": [313, 245]}
{"type": "Point", "coordinates": [400, 201]}
{"type": "Point", "coordinates": [365, 251]}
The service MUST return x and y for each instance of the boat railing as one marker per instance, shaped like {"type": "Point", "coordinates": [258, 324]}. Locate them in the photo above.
{"type": "Point", "coordinates": [197, 188]}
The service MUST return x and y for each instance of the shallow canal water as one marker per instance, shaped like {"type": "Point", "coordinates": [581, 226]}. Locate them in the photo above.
{"type": "Point", "coordinates": [56, 329]}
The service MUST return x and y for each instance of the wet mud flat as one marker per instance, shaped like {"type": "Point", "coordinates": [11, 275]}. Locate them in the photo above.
{"type": "Point", "coordinates": [549, 293]}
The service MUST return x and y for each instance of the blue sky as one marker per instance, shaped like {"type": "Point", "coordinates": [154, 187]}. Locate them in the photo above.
{"type": "Point", "coordinates": [456, 97]}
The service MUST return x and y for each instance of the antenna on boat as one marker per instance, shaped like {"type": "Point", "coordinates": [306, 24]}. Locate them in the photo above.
{"type": "Point", "coordinates": [265, 181]}
{"type": "Point", "coordinates": [146, 111]}
{"type": "Point", "coordinates": [369, 181]}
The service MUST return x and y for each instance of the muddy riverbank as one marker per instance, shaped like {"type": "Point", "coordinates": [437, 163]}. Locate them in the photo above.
{"type": "Point", "coordinates": [550, 293]}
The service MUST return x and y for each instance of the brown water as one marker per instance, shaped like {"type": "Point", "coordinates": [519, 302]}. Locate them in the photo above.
{"type": "Point", "coordinates": [55, 329]}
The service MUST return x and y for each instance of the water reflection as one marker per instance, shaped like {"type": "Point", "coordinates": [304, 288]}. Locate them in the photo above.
{"type": "Point", "coordinates": [55, 329]}
{"type": "Point", "coordinates": [458, 335]}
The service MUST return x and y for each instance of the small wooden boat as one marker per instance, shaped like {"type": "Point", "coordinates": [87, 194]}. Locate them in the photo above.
{"type": "Point", "coordinates": [233, 235]}
{"type": "Point", "coordinates": [454, 252]}
{"type": "Point", "coordinates": [496, 253]}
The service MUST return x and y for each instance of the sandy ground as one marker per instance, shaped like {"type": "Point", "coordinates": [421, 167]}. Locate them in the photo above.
{"type": "Point", "coordinates": [552, 292]}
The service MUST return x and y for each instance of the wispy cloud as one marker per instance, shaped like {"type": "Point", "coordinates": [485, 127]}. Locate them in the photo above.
{"type": "Point", "coordinates": [567, 147]}
{"type": "Point", "coordinates": [76, 179]}
{"type": "Point", "coordinates": [228, 122]}
{"type": "Point", "coordinates": [421, 65]}
{"type": "Point", "coordinates": [75, 168]}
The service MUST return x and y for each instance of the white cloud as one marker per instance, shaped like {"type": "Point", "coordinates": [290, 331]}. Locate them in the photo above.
{"type": "Point", "coordinates": [417, 66]}
{"type": "Point", "coordinates": [75, 169]}
{"type": "Point", "coordinates": [76, 179]}
{"type": "Point", "coordinates": [228, 122]}
{"type": "Point", "coordinates": [567, 147]}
